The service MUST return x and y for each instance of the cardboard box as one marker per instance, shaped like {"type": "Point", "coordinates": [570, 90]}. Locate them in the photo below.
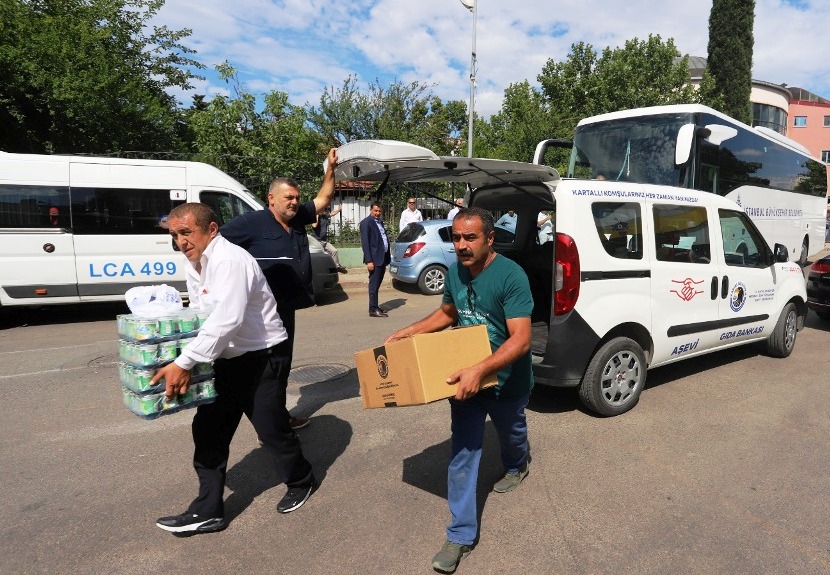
{"type": "Point", "coordinates": [414, 370]}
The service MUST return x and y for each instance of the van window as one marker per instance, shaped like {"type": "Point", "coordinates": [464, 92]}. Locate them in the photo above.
{"type": "Point", "coordinates": [225, 205]}
{"type": "Point", "coordinates": [34, 206]}
{"type": "Point", "coordinates": [100, 211]}
{"type": "Point", "coordinates": [742, 243]}
{"type": "Point", "coordinates": [681, 234]}
{"type": "Point", "coordinates": [618, 227]}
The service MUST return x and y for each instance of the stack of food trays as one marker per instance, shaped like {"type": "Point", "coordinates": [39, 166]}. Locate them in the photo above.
{"type": "Point", "coordinates": [146, 344]}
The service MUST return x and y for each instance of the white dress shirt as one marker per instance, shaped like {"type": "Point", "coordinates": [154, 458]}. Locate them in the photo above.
{"type": "Point", "coordinates": [244, 312]}
{"type": "Point", "coordinates": [409, 216]}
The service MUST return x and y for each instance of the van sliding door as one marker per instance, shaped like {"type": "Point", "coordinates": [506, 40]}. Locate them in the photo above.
{"type": "Point", "coordinates": [119, 217]}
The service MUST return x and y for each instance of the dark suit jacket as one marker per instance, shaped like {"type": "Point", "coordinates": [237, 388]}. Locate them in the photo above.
{"type": "Point", "coordinates": [372, 243]}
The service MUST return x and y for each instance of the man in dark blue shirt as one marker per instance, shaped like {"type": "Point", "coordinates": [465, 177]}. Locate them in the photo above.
{"type": "Point", "coordinates": [276, 237]}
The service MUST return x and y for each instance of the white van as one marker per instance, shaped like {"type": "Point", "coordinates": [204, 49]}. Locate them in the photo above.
{"type": "Point", "coordinates": [636, 276]}
{"type": "Point", "coordinates": [76, 229]}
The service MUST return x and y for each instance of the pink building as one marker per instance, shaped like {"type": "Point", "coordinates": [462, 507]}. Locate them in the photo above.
{"type": "Point", "coordinates": [809, 125]}
{"type": "Point", "coordinates": [809, 122]}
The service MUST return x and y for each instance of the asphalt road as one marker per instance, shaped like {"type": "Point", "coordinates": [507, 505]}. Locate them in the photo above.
{"type": "Point", "coordinates": [721, 468]}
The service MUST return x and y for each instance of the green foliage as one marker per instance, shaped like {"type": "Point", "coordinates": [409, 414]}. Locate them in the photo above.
{"type": "Point", "coordinates": [252, 145]}
{"type": "Point", "coordinates": [89, 76]}
{"type": "Point", "coordinates": [729, 65]}
{"type": "Point", "coordinates": [523, 121]}
{"type": "Point", "coordinates": [407, 112]}
{"type": "Point", "coordinates": [642, 73]}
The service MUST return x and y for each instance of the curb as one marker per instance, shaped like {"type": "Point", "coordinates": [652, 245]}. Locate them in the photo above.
{"type": "Point", "coordinates": [357, 279]}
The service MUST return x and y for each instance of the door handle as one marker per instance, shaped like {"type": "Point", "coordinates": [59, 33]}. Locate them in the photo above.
{"type": "Point", "coordinates": [724, 287]}
{"type": "Point", "coordinates": [714, 289]}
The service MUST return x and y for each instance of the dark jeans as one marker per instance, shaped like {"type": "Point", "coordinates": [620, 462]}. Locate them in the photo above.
{"type": "Point", "coordinates": [375, 279]}
{"type": "Point", "coordinates": [249, 384]}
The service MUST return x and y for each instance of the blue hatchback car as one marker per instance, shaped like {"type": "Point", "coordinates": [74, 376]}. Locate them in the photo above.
{"type": "Point", "coordinates": [422, 253]}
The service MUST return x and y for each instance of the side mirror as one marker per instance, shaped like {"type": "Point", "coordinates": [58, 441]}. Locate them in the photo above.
{"type": "Point", "coordinates": [781, 253]}
{"type": "Point", "coordinates": [683, 147]}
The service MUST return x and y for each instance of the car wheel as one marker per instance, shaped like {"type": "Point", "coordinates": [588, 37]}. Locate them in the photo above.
{"type": "Point", "coordinates": [615, 377]}
{"type": "Point", "coordinates": [781, 341]}
{"type": "Point", "coordinates": [431, 281]}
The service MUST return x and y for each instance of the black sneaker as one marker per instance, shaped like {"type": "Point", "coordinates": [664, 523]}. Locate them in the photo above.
{"type": "Point", "coordinates": [190, 524]}
{"type": "Point", "coordinates": [295, 498]}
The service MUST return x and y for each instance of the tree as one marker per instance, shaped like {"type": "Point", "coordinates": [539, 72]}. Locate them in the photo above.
{"type": "Point", "coordinates": [407, 112]}
{"type": "Point", "coordinates": [727, 81]}
{"type": "Point", "coordinates": [89, 76]}
{"type": "Point", "coordinates": [642, 73]}
{"type": "Point", "coordinates": [255, 146]}
{"type": "Point", "coordinates": [523, 121]}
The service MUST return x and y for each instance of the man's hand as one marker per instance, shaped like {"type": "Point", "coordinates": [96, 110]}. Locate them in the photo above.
{"type": "Point", "coordinates": [469, 382]}
{"type": "Point", "coordinates": [370, 266]}
{"type": "Point", "coordinates": [332, 159]}
{"type": "Point", "coordinates": [400, 334]}
{"type": "Point", "coordinates": [177, 380]}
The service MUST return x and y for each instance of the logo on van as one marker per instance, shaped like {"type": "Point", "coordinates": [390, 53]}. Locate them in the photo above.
{"type": "Point", "coordinates": [689, 289]}
{"type": "Point", "coordinates": [738, 297]}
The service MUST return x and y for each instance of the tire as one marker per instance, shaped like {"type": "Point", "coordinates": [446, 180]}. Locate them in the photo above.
{"type": "Point", "coordinates": [805, 249]}
{"type": "Point", "coordinates": [781, 341]}
{"type": "Point", "coordinates": [431, 280]}
{"type": "Point", "coordinates": [615, 377]}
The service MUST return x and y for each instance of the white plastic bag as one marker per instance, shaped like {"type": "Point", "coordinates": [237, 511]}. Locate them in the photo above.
{"type": "Point", "coordinates": [153, 301]}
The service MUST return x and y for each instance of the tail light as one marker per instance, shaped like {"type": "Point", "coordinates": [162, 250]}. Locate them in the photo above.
{"type": "Point", "coordinates": [821, 267]}
{"type": "Point", "coordinates": [413, 249]}
{"type": "Point", "coordinates": [566, 286]}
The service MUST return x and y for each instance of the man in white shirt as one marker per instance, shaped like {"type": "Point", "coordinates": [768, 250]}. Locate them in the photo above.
{"type": "Point", "coordinates": [544, 224]}
{"type": "Point", "coordinates": [459, 203]}
{"type": "Point", "coordinates": [410, 215]}
{"type": "Point", "coordinates": [245, 338]}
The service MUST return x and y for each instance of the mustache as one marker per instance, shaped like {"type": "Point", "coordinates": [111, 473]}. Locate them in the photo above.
{"type": "Point", "coordinates": [464, 253]}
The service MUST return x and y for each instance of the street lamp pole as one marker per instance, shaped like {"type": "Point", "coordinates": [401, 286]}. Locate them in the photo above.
{"type": "Point", "coordinates": [472, 6]}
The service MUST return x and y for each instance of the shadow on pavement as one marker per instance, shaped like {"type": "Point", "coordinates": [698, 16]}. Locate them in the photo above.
{"type": "Point", "coordinates": [323, 442]}
{"type": "Point", "coordinates": [60, 314]}
{"type": "Point", "coordinates": [332, 296]}
{"type": "Point", "coordinates": [393, 304]}
{"type": "Point", "coordinates": [428, 469]}
{"type": "Point", "coordinates": [313, 396]}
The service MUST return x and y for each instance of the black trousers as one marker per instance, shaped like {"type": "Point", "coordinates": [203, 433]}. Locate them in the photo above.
{"type": "Point", "coordinates": [253, 384]}
{"type": "Point", "coordinates": [375, 279]}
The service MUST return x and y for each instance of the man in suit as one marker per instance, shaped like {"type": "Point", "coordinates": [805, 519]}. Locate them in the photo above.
{"type": "Point", "coordinates": [375, 254]}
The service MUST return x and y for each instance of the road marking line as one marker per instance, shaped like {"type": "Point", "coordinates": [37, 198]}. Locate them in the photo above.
{"type": "Point", "coordinates": [57, 348]}
{"type": "Point", "coordinates": [44, 371]}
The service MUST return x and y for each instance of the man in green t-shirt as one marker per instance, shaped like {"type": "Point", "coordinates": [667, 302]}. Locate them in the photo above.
{"type": "Point", "coordinates": [482, 287]}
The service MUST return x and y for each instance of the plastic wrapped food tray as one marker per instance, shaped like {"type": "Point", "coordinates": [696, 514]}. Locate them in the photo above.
{"type": "Point", "coordinates": [153, 405]}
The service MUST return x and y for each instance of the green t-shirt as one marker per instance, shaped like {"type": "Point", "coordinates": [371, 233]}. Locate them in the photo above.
{"type": "Point", "coordinates": [500, 292]}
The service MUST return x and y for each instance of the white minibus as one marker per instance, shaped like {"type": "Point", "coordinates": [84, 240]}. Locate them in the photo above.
{"type": "Point", "coordinates": [81, 229]}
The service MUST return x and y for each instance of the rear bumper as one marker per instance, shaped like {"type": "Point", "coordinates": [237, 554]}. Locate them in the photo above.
{"type": "Point", "coordinates": [818, 292]}
{"type": "Point", "coordinates": [405, 271]}
{"type": "Point", "coordinates": [570, 346]}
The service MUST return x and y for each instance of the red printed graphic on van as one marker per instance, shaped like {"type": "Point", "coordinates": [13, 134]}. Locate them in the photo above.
{"type": "Point", "coordinates": [687, 289]}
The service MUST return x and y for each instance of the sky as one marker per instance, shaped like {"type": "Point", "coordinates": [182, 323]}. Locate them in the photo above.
{"type": "Point", "coordinates": [303, 47]}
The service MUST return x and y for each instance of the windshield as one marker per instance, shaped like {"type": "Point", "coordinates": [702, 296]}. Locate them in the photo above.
{"type": "Point", "coordinates": [639, 149]}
